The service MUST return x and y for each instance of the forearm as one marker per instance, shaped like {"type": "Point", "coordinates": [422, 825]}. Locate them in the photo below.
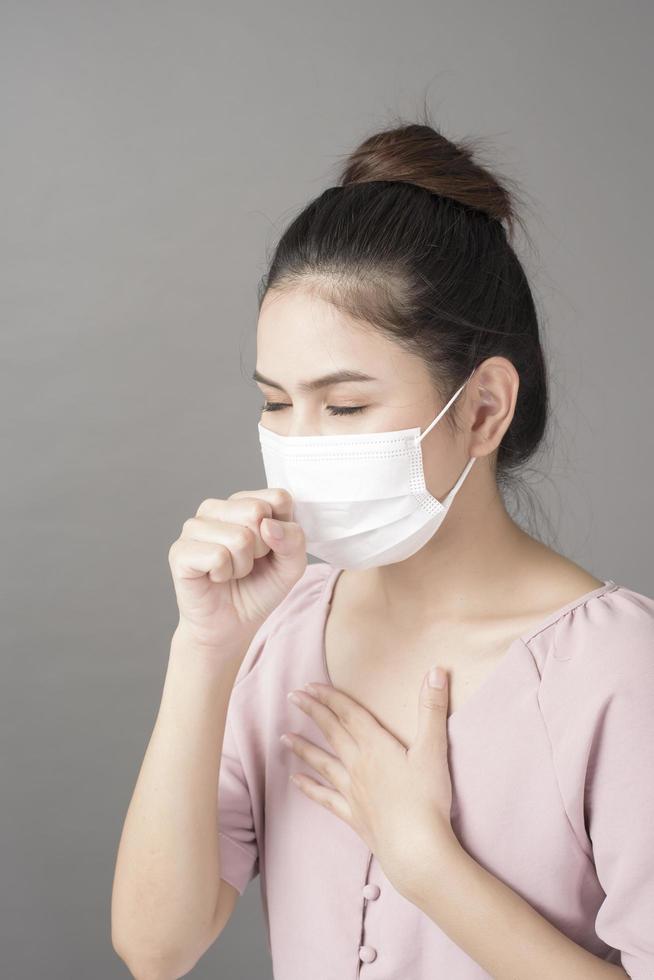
{"type": "Point", "coordinates": [167, 870]}
{"type": "Point", "coordinates": [495, 926]}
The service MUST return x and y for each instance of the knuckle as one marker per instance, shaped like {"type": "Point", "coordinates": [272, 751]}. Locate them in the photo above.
{"type": "Point", "coordinates": [329, 770]}
{"type": "Point", "coordinates": [346, 716]}
{"type": "Point", "coordinates": [255, 510]}
{"type": "Point", "coordinates": [357, 775]}
{"type": "Point", "coordinates": [207, 507]}
{"type": "Point", "coordinates": [223, 552]}
{"type": "Point", "coordinates": [281, 497]}
{"type": "Point", "coordinates": [241, 494]}
{"type": "Point", "coordinates": [330, 729]}
{"type": "Point", "coordinates": [222, 556]}
{"type": "Point", "coordinates": [243, 538]}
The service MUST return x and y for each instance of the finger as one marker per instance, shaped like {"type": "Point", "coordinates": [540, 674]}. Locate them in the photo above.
{"type": "Point", "coordinates": [327, 797]}
{"type": "Point", "coordinates": [431, 732]}
{"type": "Point", "coordinates": [356, 719]}
{"type": "Point", "coordinates": [191, 559]}
{"type": "Point", "coordinates": [327, 765]}
{"type": "Point", "coordinates": [340, 739]}
{"type": "Point", "coordinates": [247, 511]}
{"type": "Point", "coordinates": [279, 499]}
{"type": "Point", "coordinates": [288, 552]}
{"type": "Point", "coordinates": [239, 540]}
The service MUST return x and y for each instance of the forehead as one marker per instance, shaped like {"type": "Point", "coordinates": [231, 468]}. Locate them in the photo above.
{"type": "Point", "coordinates": [300, 335]}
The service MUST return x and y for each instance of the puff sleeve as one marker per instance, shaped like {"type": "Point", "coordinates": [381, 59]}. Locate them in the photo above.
{"type": "Point", "coordinates": [597, 700]}
{"type": "Point", "coordinates": [239, 856]}
{"type": "Point", "coordinates": [619, 801]}
{"type": "Point", "coordinates": [238, 847]}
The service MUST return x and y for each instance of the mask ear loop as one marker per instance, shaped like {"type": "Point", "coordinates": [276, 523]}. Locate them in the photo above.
{"type": "Point", "coordinates": [445, 408]}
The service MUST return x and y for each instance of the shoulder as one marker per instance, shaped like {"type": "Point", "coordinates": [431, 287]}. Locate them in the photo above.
{"type": "Point", "coordinates": [598, 647]}
{"type": "Point", "coordinates": [297, 609]}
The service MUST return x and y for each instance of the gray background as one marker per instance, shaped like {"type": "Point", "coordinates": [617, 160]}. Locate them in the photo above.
{"type": "Point", "coordinates": [152, 154]}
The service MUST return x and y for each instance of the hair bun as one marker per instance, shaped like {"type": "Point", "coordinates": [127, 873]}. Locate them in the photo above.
{"type": "Point", "coordinates": [419, 154]}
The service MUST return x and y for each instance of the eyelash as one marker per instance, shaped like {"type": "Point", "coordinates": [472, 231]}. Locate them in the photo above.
{"type": "Point", "coordinates": [333, 409]}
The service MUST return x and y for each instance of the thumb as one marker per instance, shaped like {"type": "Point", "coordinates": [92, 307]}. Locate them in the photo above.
{"type": "Point", "coordinates": [432, 713]}
{"type": "Point", "coordinates": [287, 542]}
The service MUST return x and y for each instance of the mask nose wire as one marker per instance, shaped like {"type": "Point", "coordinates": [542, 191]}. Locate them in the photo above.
{"type": "Point", "coordinates": [445, 408]}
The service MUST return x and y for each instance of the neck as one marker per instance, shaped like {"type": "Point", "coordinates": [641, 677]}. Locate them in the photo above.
{"type": "Point", "coordinates": [473, 562]}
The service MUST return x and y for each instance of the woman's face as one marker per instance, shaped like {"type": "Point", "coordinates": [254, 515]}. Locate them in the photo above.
{"type": "Point", "coordinates": [301, 339]}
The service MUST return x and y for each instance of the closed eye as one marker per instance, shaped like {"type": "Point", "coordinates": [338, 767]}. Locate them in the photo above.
{"type": "Point", "coordinates": [333, 409]}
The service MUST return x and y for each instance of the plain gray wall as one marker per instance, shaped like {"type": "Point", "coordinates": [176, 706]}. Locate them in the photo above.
{"type": "Point", "coordinates": [152, 153]}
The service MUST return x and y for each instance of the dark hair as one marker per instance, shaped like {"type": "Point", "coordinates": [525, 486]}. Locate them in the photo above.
{"type": "Point", "coordinates": [416, 241]}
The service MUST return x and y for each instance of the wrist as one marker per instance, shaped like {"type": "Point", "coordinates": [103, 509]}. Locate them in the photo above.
{"type": "Point", "coordinates": [227, 650]}
{"type": "Point", "coordinates": [438, 860]}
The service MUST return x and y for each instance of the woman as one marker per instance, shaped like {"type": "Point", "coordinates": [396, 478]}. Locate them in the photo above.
{"type": "Point", "coordinates": [497, 826]}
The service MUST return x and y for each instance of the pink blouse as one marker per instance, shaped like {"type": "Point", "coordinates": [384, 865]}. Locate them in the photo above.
{"type": "Point", "coordinates": [552, 768]}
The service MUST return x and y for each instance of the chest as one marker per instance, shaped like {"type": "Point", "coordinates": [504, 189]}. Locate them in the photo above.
{"type": "Point", "coordinates": [384, 672]}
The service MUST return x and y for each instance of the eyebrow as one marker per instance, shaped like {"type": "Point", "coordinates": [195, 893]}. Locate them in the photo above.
{"type": "Point", "coordinates": [336, 377]}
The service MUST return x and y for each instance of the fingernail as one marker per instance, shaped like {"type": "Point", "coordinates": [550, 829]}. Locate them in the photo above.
{"type": "Point", "coordinates": [275, 528]}
{"type": "Point", "coordinates": [437, 677]}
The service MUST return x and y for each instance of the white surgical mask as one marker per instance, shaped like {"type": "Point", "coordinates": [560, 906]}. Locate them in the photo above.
{"type": "Point", "coordinates": [361, 498]}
